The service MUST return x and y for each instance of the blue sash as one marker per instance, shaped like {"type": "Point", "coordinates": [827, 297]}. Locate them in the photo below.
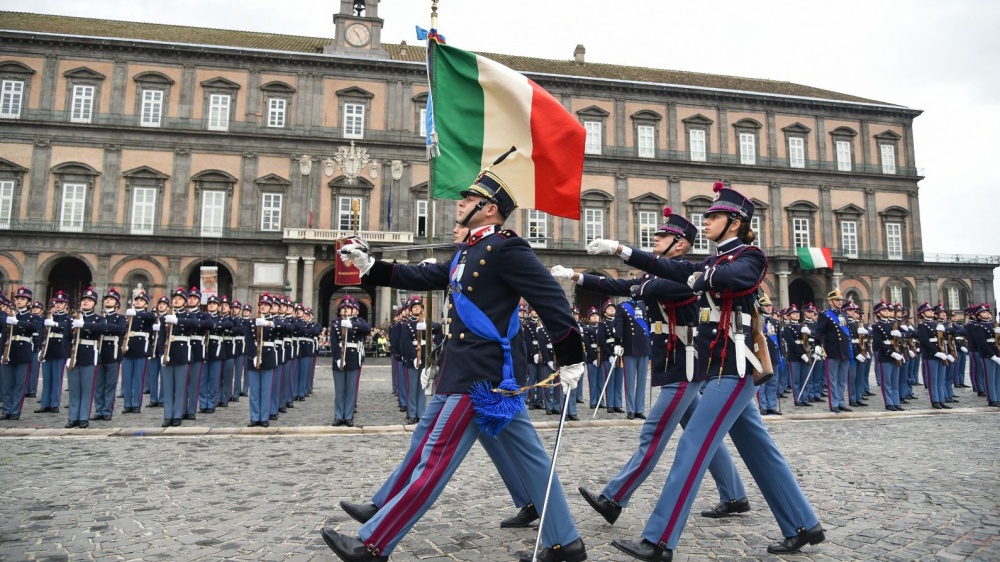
{"type": "Point", "coordinates": [843, 328]}
{"type": "Point", "coordinates": [630, 310]}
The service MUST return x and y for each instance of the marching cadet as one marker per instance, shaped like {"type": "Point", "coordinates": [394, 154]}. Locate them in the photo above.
{"type": "Point", "coordinates": [262, 359]}
{"type": "Point", "coordinates": [632, 334]}
{"type": "Point", "coordinates": [53, 354]}
{"type": "Point", "coordinates": [815, 379]}
{"type": "Point", "coordinates": [201, 325]}
{"type": "Point", "coordinates": [248, 332]}
{"type": "Point", "coordinates": [413, 335]}
{"type": "Point", "coordinates": [228, 352]}
{"type": "Point", "coordinates": [154, 367]}
{"type": "Point", "coordinates": [139, 331]}
{"type": "Point", "coordinates": [672, 313]}
{"type": "Point", "coordinates": [982, 336]}
{"type": "Point", "coordinates": [81, 340]}
{"type": "Point", "coordinates": [798, 355]}
{"type": "Point", "coordinates": [20, 327]}
{"type": "Point", "coordinates": [934, 358]}
{"type": "Point", "coordinates": [529, 325]}
{"type": "Point", "coordinates": [208, 395]}
{"type": "Point", "coordinates": [767, 394]}
{"type": "Point", "coordinates": [595, 370]}
{"type": "Point", "coordinates": [833, 342]}
{"type": "Point", "coordinates": [110, 358]}
{"type": "Point", "coordinates": [37, 309]}
{"type": "Point", "coordinates": [886, 339]}
{"type": "Point", "coordinates": [728, 282]}
{"type": "Point", "coordinates": [611, 352]}
{"type": "Point", "coordinates": [857, 373]}
{"type": "Point", "coordinates": [347, 336]}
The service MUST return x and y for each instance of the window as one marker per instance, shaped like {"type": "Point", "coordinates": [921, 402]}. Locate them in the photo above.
{"type": "Point", "coordinates": [345, 216]}
{"type": "Point", "coordinates": [894, 240]}
{"type": "Point", "coordinates": [422, 125]}
{"type": "Point", "coordinates": [152, 108]}
{"type": "Point", "coordinates": [888, 158]}
{"type": "Point", "coordinates": [83, 104]}
{"type": "Point", "coordinates": [276, 108]}
{"type": "Point", "coordinates": [646, 221]}
{"type": "Point", "coordinates": [796, 152]}
{"type": "Point", "coordinates": [538, 226]}
{"type": "Point", "coordinates": [11, 94]}
{"type": "Point", "coordinates": [593, 224]}
{"type": "Point", "coordinates": [421, 216]}
{"type": "Point", "coordinates": [73, 201]}
{"type": "Point", "coordinates": [748, 149]}
{"type": "Point", "coordinates": [895, 294]}
{"type": "Point", "coordinates": [6, 203]}
{"type": "Point", "coordinates": [700, 245]}
{"type": "Point", "coordinates": [143, 210]}
{"type": "Point", "coordinates": [696, 144]}
{"type": "Point", "coordinates": [218, 112]}
{"type": "Point", "coordinates": [755, 227]}
{"type": "Point", "coordinates": [843, 156]}
{"type": "Point", "coordinates": [354, 121]}
{"type": "Point", "coordinates": [646, 141]}
{"type": "Point", "coordinates": [953, 297]}
{"type": "Point", "coordinates": [593, 143]}
{"type": "Point", "coordinates": [800, 232]}
{"type": "Point", "coordinates": [849, 238]}
{"type": "Point", "coordinates": [270, 215]}
{"type": "Point", "coordinates": [213, 211]}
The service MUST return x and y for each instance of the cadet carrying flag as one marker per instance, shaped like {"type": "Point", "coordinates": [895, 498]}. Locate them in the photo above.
{"type": "Point", "coordinates": [480, 109]}
{"type": "Point", "coordinates": [815, 258]}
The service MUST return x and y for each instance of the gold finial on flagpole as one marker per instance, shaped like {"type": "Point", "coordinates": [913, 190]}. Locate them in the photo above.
{"type": "Point", "coordinates": [434, 14]}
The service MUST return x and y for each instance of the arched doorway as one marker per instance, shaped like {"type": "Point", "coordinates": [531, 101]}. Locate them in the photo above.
{"type": "Point", "coordinates": [330, 294]}
{"type": "Point", "coordinates": [72, 276]}
{"type": "Point", "coordinates": [224, 282]}
{"type": "Point", "coordinates": [801, 292]}
{"type": "Point", "coordinates": [585, 299]}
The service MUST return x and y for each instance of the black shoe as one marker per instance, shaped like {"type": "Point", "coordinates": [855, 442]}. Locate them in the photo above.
{"type": "Point", "coordinates": [106, 417]}
{"type": "Point", "coordinates": [202, 410]}
{"type": "Point", "coordinates": [792, 545]}
{"type": "Point", "coordinates": [210, 411]}
{"type": "Point", "coordinates": [234, 399]}
{"type": "Point", "coordinates": [84, 424]}
{"type": "Point", "coordinates": [899, 408]}
{"type": "Point", "coordinates": [402, 408]}
{"type": "Point", "coordinates": [980, 394]}
{"type": "Point", "coordinates": [189, 417]}
{"type": "Point", "coordinates": [862, 404]}
{"type": "Point", "coordinates": [550, 412]}
{"type": "Point", "coordinates": [272, 417]}
{"type": "Point", "coordinates": [593, 406]}
{"type": "Point", "coordinates": [611, 410]}
{"type": "Point", "coordinates": [640, 416]}
{"type": "Point", "coordinates": [175, 422]}
{"type": "Point", "coordinates": [572, 417]}
{"type": "Point", "coordinates": [936, 405]}
{"type": "Point", "coordinates": [572, 552]}
{"type": "Point", "coordinates": [289, 405]}
{"type": "Point", "coordinates": [360, 512]}
{"type": "Point", "coordinates": [912, 397]}
{"type": "Point", "coordinates": [844, 409]}
{"type": "Point", "coordinates": [264, 423]}
{"type": "Point", "coordinates": [337, 423]}
{"type": "Point", "coordinates": [619, 411]}
{"type": "Point", "coordinates": [411, 421]}
{"type": "Point", "coordinates": [951, 400]}
{"type": "Point", "coordinates": [145, 392]}
{"type": "Point", "coordinates": [222, 405]}
{"type": "Point", "coordinates": [350, 422]}
{"type": "Point", "coordinates": [72, 424]}
{"type": "Point", "coordinates": [775, 412]}
{"type": "Point", "coordinates": [644, 550]}
{"type": "Point", "coordinates": [54, 410]}
{"type": "Point", "coordinates": [42, 410]}
{"type": "Point", "coordinates": [349, 549]}
{"type": "Point", "coordinates": [944, 406]}
{"type": "Point", "coordinates": [283, 410]}
{"type": "Point", "coordinates": [94, 417]}
{"type": "Point", "coordinates": [167, 423]}
{"type": "Point", "coordinates": [725, 509]}
{"type": "Point", "coordinates": [243, 394]}
{"type": "Point", "coordinates": [14, 417]}
{"type": "Point", "coordinates": [630, 416]}
{"type": "Point", "coordinates": [524, 518]}
{"type": "Point", "coordinates": [903, 401]}
{"type": "Point", "coordinates": [252, 424]}
{"type": "Point", "coordinates": [608, 509]}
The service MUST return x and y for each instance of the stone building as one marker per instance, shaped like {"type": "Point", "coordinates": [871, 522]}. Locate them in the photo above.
{"type": "Point", "coordinates": [141, 153]}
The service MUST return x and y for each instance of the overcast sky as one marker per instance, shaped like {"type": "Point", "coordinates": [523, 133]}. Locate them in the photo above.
{"type": "Point", "coordinates": [942, 57]}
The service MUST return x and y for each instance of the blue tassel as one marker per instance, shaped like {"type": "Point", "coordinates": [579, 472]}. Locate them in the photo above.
{"type": "Point", "coordinates": [494, 410]}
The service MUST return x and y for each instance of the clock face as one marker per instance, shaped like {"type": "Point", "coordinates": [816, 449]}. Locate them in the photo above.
{"type": "Point", "coordinates": [358, 35]}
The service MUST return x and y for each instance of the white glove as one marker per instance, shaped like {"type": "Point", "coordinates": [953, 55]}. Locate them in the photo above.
{"type": "Point", "coordinates": [50, 323]}
{"type": "Point", "coordinates": [896, 334]}
{"type": "Point", "coordinates": [421, 326]}
{"type": "Point", "coordinates": [130, 312]}
{"type": "Point", "coordinates": [569, 377]}
{"type": "Point", "coordinates": [356, 254]}
{"type": "Point", "coordinates": [535, 359]}
{"type": "Point", "coordinates": [805, 358]}
{"type": "Point", "coordinates": [601, 247]}
{"type": "Point", "coordinates": [995, 359]}
{"type": "Point", "coordinates": [12, 320]}
{"type": "Point", "coordinates": [941, 356]}
{"type": "Point", "coordinates": [427, 377]}
{"type": "Point", "coordinates": [416, 362]}
{"type": "Point", "coordinates": [964, 349]}
{"type": "Point", "coordinates": [897, 356]}
{"type": "Point", "coordinates": [618, 351]}
{"type": "Point", "coordinates": [912, 355]}
{"type": "Point", "coordinates": [156, 327]}
{"type": "Point", "coordinates": [805, 330]}
{"type": "Point", "coordinates": [428, 261]}
{"type": "Point", "coordinates": [819, 352]}
{"type": "Point", "coordinates": [597, 363]}
{"type": "Point", "coordinates": [78, 322]}
{"type": "Point", "coordinates": [862, 330]}
{"type": "Point", "coordinates": [951, 358]}
{"type": "Point", "coordinates": [560, 272]}
{"type": "Point", "coordinates": [340, 364]}
{"type": "Point", "coordinates": [345, 323]}
{"type": "Point", "coordinates": [692, 279]}
{"type": "Point", "coordinates": [551, 365]}
{"type": "Point", "coordinates": [860, 357]}
{"type": "Point", "coordinates": [170, 319]}
{"type": "Point", "coordinates": [996, 330]}
{"type": "Point", "coordinates": [258, 322]}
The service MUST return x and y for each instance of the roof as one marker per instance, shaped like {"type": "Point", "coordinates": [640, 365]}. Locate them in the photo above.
{"type": "Point", "coordinates": [66, 25]}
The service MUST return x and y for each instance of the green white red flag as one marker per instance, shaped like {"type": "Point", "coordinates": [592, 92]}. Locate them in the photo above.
{"type": "Point", "coordinates": [815, 258]}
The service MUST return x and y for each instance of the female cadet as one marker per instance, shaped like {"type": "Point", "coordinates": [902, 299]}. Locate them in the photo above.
{"type": "Point", "coordinates": [595, 372]}
{"type": "Point", "coordinates": [348, 354]}
{"type": "Point", "coordinates": [728, 281]}
{"type": "Point", "coordinates": [175, 360]}
{"type": "Point", "coordinates": [54, 361]}
{"type": "Point", "coordinates": [262, 358]}
{"type": "Point", "coordinates": [80, 338]}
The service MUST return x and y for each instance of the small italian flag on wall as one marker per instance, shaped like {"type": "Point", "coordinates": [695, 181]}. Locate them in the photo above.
{"type": "Point", "coordinates": [815, 258]}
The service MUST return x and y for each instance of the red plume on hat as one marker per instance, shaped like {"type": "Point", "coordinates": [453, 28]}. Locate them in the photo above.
{"type": "Point", "coordinates": [667, 211]}
{"type": "Point", "coordinates": [717, 186]}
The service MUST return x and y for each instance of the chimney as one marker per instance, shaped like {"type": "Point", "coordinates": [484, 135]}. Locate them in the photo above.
{"type": "Point", "coordinates": [578, 54]}
{"type": "Point", "coordinates": [402, 49]}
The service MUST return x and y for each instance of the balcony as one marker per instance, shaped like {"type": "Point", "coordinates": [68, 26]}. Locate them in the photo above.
{"type": "Point", "coordinates": [122, 229]}
{"type": "Point", "coordinates": [372, 236]}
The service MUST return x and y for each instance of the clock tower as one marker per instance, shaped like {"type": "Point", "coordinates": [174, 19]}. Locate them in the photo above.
{"type": "Point", "coordinates": [358, 30]}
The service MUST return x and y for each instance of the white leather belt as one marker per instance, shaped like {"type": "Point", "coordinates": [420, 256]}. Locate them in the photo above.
{"type": "Point", "coordinates": [659, 328]}
{"type": "Point", "coordinates": [353, 345]}
{"type": "Point", "coordinates": [609, 340]}
{"type": "Point", "coordinates": [184, 339]}
{"type": "Point", "coordinates": [113, 339]}
{"type": "Point", "coordinates": [854, 341]}
{"type": "Point", "coordinates": [216, 338]}
{"type": "Point", "coordinates": [886, 342]}
{"type": "Point", "coordinates": [88, 342]}
{"type": "Point", "coordinates": [714, 316]}
{"type": "Point", "coordinates": [991, 340]}
{"type": "Point", "coordinates": [932, 340]}
{"type": "Point", "coordinates": [267, 344]}
{"type": "Point", "coordinates": [55, 335]}
{"type": "Point", "coordinates": [21, 338]}
{"type": "Point", "coordinates": [138, 334]}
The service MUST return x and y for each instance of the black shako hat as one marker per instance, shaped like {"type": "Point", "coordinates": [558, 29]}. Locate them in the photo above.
{"type": "Point", "coordinates": [676, 224]}
{"type": "Point", "coordinates": [490, 186]}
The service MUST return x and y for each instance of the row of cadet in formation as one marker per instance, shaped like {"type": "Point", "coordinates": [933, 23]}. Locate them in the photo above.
{"type": "Point", "coordinates": [191, 359]}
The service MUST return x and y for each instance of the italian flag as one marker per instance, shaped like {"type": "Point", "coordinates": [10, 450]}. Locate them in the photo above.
{"type": "Point", "coordinates": [480, 109]}
{"type": "Point", "coordinates": [815, 258]}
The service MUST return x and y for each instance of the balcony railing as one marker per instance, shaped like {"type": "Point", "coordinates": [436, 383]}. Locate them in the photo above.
{"type": "Point", "coordinates": [963, 258]}
{"type": "Point", "coordinates": [122, 229]}
{"type": "Point", "coordinates": [372, 236]}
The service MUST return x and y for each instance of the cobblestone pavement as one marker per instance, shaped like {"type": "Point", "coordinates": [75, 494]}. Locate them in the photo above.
{"type": "Point", "coordinates": [920, 485]}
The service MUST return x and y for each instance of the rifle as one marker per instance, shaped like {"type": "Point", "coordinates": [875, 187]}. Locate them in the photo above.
{"type": "Point", "coordinates": [897, 344]}
{"type": "Point", "coordinates": [260, 340]}
{"type": "Point", "coordinates": [7, 344]}
{"type": "Point", "coordinates": [76, 344]}
{"type": "Point", "coordinates": [45, 340]}
{"type": "Point", "coordinates": [165, 358]}
{"type": "Point", "coordinates": [128, 330]}
{"type": "Point", "coordinates": [343, 345]}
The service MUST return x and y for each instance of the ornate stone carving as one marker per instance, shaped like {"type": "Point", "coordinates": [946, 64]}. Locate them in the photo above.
{"type": "Point", "coordinates": [112, 147]}
{"type": "Point", "coordinates": [396, 168]}
{"type": "Point", "coordinates": [249, 154]}
{"type": "Point", "coordinates": [305, 164]}
{"type": "Point", "coordinates": [353, 161]}
{"type": "Point", "coordinates": [42, 143]}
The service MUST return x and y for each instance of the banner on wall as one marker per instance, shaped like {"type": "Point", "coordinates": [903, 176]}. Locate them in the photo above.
{"type": "Point", "coordinates": [209, 282]}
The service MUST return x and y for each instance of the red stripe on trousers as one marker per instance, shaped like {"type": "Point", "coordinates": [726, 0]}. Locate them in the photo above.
{"type": "Point", "coordinates": [659, 435]}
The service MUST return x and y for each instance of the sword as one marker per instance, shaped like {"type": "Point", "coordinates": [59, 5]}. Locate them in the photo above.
{"type": "Point", "coordinates": [739, 338]}
{"type": "Point", "coordinates": [689, 352]}
{"type": "Point", "coordinates": [389, 249]}
{"type": "Point", "coordinates": [600, 398]}
{"type": "Point", "coordinates": [552, 474]}
{"type": "Point", "coordinates": [806, 381]}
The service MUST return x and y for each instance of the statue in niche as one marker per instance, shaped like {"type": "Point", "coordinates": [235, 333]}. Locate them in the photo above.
{"type": "Point", "coordinates": [359, 8]}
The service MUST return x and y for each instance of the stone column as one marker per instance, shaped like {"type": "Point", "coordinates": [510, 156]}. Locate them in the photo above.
{"type": "Point", "coordinates": [783, 288]}
{"type": "Point", "coordinates": [820, 140]}
{"type": "Point", "coordinates": [837, 276]}
{"type": "Point", "coordinates": [292, 274]}
{"type": "Point", "coordinates": [50, 76]}
{"type": "Point", "coordinates": [866, 145]}
{"type": "Point", "coordinates": [672, 127]}
{"type": "Point", "coordinates": [777, 216]}
{"type": "Point", "coordinates": [772, 136]}
{"type": "Point", "coordinates": [384, 308]}
{"type": "Point", "coordinates": [916, 238]}
{"type": "Point", "coordinates": [674, 195]}
{"type": "Point", "coordinates": [871, 221]}
{"type": "Point", "coordinates": [825, 212]}
{"type": "Point", "coordinates": [621, 207]}
{"type": "Point", "coordinates": [307, 280]}
{"type": "Point", "coordinates": [37, 190]}
{"type": "Point", "coordinates": [723, 132]}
